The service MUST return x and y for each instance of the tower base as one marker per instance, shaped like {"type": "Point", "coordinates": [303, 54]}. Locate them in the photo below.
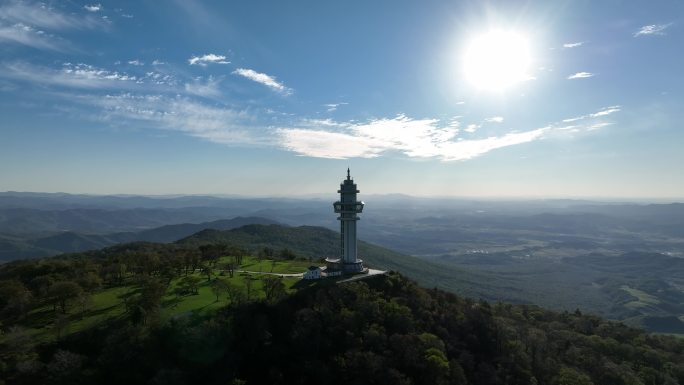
{"type": "Point", "coordinates": [338, 267]}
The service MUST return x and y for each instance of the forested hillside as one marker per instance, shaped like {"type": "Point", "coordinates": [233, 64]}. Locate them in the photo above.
{"type": "Point", "coordinates": [190, 313]}
{"type": "Point", "coordinates": [378, 331]}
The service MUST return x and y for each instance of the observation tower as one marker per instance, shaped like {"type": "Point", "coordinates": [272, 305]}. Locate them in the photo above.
{"type": "Point", "coordinates": [348, 208]}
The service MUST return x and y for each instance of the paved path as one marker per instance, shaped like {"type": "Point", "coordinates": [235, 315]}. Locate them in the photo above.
{"type": "Point", "coordinates": [370, 273]}
{"type": "Point", "coordinates": [268, 273]}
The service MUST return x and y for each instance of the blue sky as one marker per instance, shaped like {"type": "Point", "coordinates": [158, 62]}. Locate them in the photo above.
{"type": "Point", "coordinates": [273, 98]}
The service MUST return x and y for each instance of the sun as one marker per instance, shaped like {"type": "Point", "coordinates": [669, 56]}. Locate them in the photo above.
{"type": "Point", "coordinates": [496, 60]}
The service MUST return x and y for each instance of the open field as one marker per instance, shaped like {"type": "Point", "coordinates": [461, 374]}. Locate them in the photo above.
{"type": "Point", "coordinates": [45, 324]}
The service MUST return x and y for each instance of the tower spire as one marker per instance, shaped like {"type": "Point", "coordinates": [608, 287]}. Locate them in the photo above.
{"type": "Point", "coordinates": [348, 176]}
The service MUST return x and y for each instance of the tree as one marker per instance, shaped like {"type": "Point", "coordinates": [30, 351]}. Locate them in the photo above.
{"type": "Point", "coordinates": [15, 299]}
{"type": "Point", "coordinates": [84, 302]}
{"type": "Point", "coordinates": [287, 254]}
{"type": "Point", "coordinates": [208, 271]}
{"type": "Point", "coordinates": [189, 284]}
{"type": "Point", "coordinates": [219, 287]}
{"type": "Point", "coordinates": [212, 253]}
{"type": "Point", "coordinates": [151, 294]}
{"type": "Point", "coordinates": [570, 376]}
{"type": "Point", "coordinates": [89, 281]}
{"type": "Point", "coordinates": [62, 292]}
{"type": "Point", "coordinates": [61, 325]}
{"type": "Point", "coordinates": [274, 288]}
{"type": "Point", "coordinates": [266, 252]}
{"type": "Point", "coordinates": [248, 286]}
{"type": "Point", "coordinates": [230, 267]}
{"type": "Point", "coordinates": [236, 294]}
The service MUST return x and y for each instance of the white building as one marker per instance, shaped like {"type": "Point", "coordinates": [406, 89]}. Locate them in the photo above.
{"type": "Point", "coordinates": [313, 272]}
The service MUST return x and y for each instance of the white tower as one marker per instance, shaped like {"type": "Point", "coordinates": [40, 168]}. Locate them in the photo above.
{"type": "Point", "coordinates": [347, 207]}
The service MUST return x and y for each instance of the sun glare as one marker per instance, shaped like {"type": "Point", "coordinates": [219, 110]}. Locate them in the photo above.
{"type": "Point", "coordinates": [497, 60]}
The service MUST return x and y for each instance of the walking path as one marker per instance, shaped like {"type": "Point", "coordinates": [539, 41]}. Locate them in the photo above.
{"type": "Point", "coordinates": [268, 273]}
{"type": "Point", "coordinates": [370, 273]}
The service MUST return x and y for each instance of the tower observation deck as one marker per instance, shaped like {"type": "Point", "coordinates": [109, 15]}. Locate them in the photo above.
{"type": "Point", "coordinates": [347, 208]}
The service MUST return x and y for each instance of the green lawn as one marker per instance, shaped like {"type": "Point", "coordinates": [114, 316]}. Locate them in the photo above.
{"type": "Point", "coordinates": [272, 266]}
{"type": "Point", "coordinates": [105, 304]}
{"type": "Point", "coordinates": [108, 303]}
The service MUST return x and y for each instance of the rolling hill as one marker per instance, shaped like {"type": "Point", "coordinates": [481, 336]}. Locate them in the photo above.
{"type": "Point", "coordinates": [15, 247]}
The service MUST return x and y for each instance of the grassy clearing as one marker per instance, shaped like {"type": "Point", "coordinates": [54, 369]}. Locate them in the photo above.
{"type": "Point", "coordinates": [272, 266]}
{"type": "Point", "coordinates": [108, 304]}
{"type": "Point", "coordinates": [643, 298]}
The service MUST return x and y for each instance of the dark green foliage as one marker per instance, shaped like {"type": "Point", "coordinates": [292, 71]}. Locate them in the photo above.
{"type": "Point", "coordinates": [380, 330]}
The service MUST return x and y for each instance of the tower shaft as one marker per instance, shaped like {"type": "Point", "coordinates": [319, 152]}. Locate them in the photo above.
{"type": "Point", "coordinates": [348, 207]}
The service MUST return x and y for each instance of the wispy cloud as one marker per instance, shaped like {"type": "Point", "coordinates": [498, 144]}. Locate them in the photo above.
{"type": "Point", "coordinates": [573, 45]}
{"type": "Point", "coordinates": [580, 75]}
{"type": "Point", "coordinates": [471, 128]}
{"type": "Point", "coordinates": [40, 15]}
{"type": "Point", "coordinates": [326, 144]}
{"type": "Point", "coordinates": [158, 63]}
{"type": "Point", "coordinates": [262, 78]}
{"type": "Point", "coordinates": [70, 75]}
{"type": "Point", "coordinates": [333, 106]}
{"type": "Point", "coordinates": [206, 88]}
{"type": "Point", "coordinates": [418, 138]}
{"type": "Point", "coordinates": [93, 7]}
{"type": "Point", "coordinates": [651, 30]}
{"type": "Point", "coordinates": [208, 58]}
{"type": "Point", "coordinates": [422, 138]}
{"type": "Point", "coordinates": [605, 111]}
{"type": "Point", "coordinates": [136, 62]}
{"type": "Point", "coordinates": [26, 35]}
{"type": "Point", "coordinates": [495, 119]}
{"type": "Point", "coordinates": [214, 123]}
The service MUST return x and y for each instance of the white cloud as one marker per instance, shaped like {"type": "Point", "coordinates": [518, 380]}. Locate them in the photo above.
{"type": "Point", "coordinates": [495, 119]}
{"type": "Point", "coordinates": [472, 128]}
{"type": "Point", "coordinates": [207, 89]}
{"type": "Point", "coordinates": [418, 138]}
{"type": "Point", "coordinates": [468, 149]}
{"type": "Point", "coordinates": [598, 125]}
{"type": "Point", "coordinates": [214, 123]}
{"type": "Point", "coordinates": [262, 78]}
{"type": "Point", "coordinates": [333, 106]}
{"type": "Point", "coordinates": [208, 58]}
{"type": "Point", "coordinates": [605, 111]}
{"type": "Point", "coordinates": [136, 62]}
{"type": "Point", "coordinates": [29, 36]}
{"type": "Point", "coordinates": [70, 75]}
{"type": "Point", "coordinates": [580, 75]}
{"type": "Point", "coordinates": [42, 16]}
{"type": "Point", "coordinates": [158, 78]}
{"type": "Point", "coordinates": [414, 138]}
{"type": "Point", "coordinates": [573, 45]}
{"type": "Point", "coordinates": [653, 29]}
{"type": "Point", "coordinates": [93, 7]}
{"type": "Point", "coordinates": [158, 63]}
{"type": "Point", "coordinates": [326, 144]}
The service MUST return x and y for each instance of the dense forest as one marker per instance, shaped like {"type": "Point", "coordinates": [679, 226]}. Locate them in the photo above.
{"type": "Point", "coordinates": [379, 330]}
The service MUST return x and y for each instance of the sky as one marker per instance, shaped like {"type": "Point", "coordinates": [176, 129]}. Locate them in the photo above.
{"type": "Point", "coordinates": [532, 99]}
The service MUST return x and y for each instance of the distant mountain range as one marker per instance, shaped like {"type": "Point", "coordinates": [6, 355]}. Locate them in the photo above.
{"type": "Point", "coordinates": [69, 241]}
{"type": "Point", "coordinates": [547, 252]}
